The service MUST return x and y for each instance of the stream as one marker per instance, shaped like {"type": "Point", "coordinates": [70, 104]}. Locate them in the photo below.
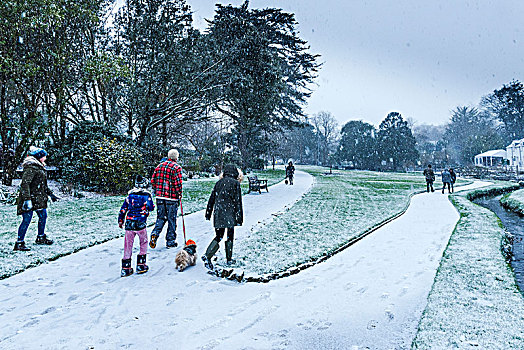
{"type": "Point", "coordinates": [515, 225]}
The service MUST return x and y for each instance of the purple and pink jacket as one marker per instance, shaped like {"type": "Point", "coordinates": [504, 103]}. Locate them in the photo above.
{"type": "Point", "coordinates": [136, 208]}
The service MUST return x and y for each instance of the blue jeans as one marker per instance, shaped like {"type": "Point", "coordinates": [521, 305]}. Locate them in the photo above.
{"type": "Point", "coordinates": [166, 211]}
{"type": "Point", "coordinates": [26, 220]}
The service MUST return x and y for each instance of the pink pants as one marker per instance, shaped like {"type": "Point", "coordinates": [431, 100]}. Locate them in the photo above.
{"type": "Point", "coordinates": [130, 239]}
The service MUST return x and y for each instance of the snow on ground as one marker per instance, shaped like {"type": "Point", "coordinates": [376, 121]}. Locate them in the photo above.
{"type": "Point", "coordinates": [474, 302]}
{"type": "Point", "coordinates": [370, 295]}
{"type": "Point", "coordinates": [514, 201]}
{"type": "Point", "coordinates": [77, 223]}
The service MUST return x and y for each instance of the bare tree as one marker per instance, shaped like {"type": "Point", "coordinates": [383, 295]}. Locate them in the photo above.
{"type": "Point", "coordinates": [326, 128]}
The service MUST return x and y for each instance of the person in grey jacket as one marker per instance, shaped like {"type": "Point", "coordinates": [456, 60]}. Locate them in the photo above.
{"type": "Point", "coordinates": [446, 180]}
{"type": "Point", "coordinates": [225, 203]}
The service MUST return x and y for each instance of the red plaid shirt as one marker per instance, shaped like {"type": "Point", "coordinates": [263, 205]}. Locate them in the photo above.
{"type": "Point", "coordinates": [167, 180]}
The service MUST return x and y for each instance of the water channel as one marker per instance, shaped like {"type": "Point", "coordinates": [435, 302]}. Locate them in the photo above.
{"type": "Point", "coordinates": [515, 225]}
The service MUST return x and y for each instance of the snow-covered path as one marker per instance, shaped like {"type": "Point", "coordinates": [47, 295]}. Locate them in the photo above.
{"type": "Point", "coordinates": [370, 295]}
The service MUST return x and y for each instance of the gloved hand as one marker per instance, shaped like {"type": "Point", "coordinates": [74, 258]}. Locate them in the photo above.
{"type": "Point", "coordinates": [27, 206]}
{"type": "Point", "coordinates": [121, 224]}
{"type": "Point", "coordinates": [54, 198]}
{"type": "Point", "coordinates": [208, 217]}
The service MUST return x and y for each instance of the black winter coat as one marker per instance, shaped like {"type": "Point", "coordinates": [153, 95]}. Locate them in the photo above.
{"type": "Point", "coordinates": [429, 174]}
{"type": "Point", "coordinates": [33, 186]}
{"type": "Point", "coordinates": [290, 171]}
{"type": "Point", "coordinates": [226, 202]}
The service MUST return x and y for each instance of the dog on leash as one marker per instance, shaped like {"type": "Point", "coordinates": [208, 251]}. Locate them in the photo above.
{"type": "Point", "coordinates": [187, 256]}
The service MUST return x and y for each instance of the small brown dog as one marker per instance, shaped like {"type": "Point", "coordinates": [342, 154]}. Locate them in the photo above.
{"type": "Point", "coordinates": [187, 256]}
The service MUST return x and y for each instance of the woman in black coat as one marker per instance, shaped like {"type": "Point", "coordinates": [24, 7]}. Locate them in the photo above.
{"type": "Point", "coordinates": [226, 203]}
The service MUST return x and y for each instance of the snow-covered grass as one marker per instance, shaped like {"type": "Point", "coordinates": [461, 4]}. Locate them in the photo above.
{"type": "Point", "coordinates": [339, 207]}
{"type": "Point", "coordinates": [76, 224]}
{"type": "Point", "coordinates": [474, 301]}
{"type": "Point", "coordinates": [514, 201]}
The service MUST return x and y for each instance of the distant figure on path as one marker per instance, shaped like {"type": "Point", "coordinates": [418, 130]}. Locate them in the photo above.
{"type": "Point", "coordinates": [453, 179]}
{"type": "Point", "coordinates": [430, 178]}
{"type": "Point", "coordinates": [33, 197]}
{"type": "Point", "coordinates": [226, 203]}
{"type": "Point", "coordinates": [134, 211]}
{"type": "Point", "coordinates": [446, 180]}
{"type": "Point", "coordinates": [167, 184]}
{"type": "Point", "coordinates": [290, 172]}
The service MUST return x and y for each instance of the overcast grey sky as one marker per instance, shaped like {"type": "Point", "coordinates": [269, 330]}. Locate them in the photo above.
{"type": "Point", "coordinates": [420, 58]}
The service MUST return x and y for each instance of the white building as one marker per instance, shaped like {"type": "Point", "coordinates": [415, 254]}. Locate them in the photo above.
{"type": "Point", "coordinates": [490, 158]}
{"type": "Point", "coordinates": [515, 154]}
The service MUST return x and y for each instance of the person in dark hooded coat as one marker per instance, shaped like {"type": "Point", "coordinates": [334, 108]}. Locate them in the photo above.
{"type": "Point", "coordinates": [33, 197]}
{"type": "Point", "coordinates": [225, 203]}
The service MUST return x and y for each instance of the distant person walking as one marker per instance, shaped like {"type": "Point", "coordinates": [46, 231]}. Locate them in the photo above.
{"type": "Point", "coordinates": [134, 213]}
{"type": "Point", "coordinates": [225, 203]}
{"type": "Point", "coordinates": [33, 197]}
{"type": "Point", "coordinates": [290, 172]}
{"type": "Point", "coordinates": [167, 184]}
{"type": "Point", "coordinates": [453, 179]}
{"type": "Point", "coordinates": [446, 180]}
{"type": "Point", "coordinates": [430, 178]}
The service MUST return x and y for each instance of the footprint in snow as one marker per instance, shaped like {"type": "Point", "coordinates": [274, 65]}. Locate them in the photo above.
{"type": "Point", "coordinates": [72, 298]}
{"type": "Point", "coordinates": [362, 290]}
{"type": "Point", "coordinates": [48, 310]}
{"type": "Point", "coordinates": [389, 314]}
{"type": "Point", "coordinates": [324, 325]}
{"type": "Point", "coordinates": [404, 291]}
{"type": "Point", "coordinates": [350, 285]}
{"type": "Point", "coordinates": [372, 325]}
{"type": "Point", "coordinates": [191, 283]}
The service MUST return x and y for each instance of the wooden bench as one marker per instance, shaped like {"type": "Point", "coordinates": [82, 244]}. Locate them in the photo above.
{"type": "Point", "coordinates": [256, 184]}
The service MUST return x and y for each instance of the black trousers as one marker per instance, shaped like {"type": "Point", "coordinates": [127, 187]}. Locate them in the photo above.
{"type": "Point", "coordinates": [219, 231]}
{"type": "Point", "coordinates": [428, 185]}
{"type": "Point", "coordinates": [449, 187]}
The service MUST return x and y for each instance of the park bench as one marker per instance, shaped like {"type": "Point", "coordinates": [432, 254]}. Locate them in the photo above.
{"type": "Point", "coordinates": [256, 184]}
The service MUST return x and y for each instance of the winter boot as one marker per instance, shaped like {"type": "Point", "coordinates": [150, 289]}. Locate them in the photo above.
{"type": "Point", "coordinates": [207, 263]}
{"type": "Point", "coordinates": [141, 266]}
{"type": "Point", "coordinates": [21, 246]}
{"type": "Point", "coordinates": [127, 270]}
{"type": "Point", "coordinates": [43, 240]}
{"type": "Point", "coordinates": [152, 241]}
{"type": "Point", "coordinates": [211, 250]}
{"type": "Point", "coordinates": [229, 253]}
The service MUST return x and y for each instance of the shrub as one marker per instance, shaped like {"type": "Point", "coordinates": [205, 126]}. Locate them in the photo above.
{"type": "Point", "coordinates": [105, 165]}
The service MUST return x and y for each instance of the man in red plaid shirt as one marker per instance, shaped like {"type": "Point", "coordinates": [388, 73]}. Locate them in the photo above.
{"type": "Point", "coordinates": [167, 183]}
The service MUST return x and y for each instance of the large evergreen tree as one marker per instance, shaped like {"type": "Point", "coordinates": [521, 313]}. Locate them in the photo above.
{"type": "Point", "coordinates": [267, 70]}
{"type": "Point", "coordinates": [358, 145]}
{"type": "Point", "coordinates": [507, 105]}
{"type": "Point", "coordinates": [470, 132]}
{"type": "Point", "coordinates": [397, 144]}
